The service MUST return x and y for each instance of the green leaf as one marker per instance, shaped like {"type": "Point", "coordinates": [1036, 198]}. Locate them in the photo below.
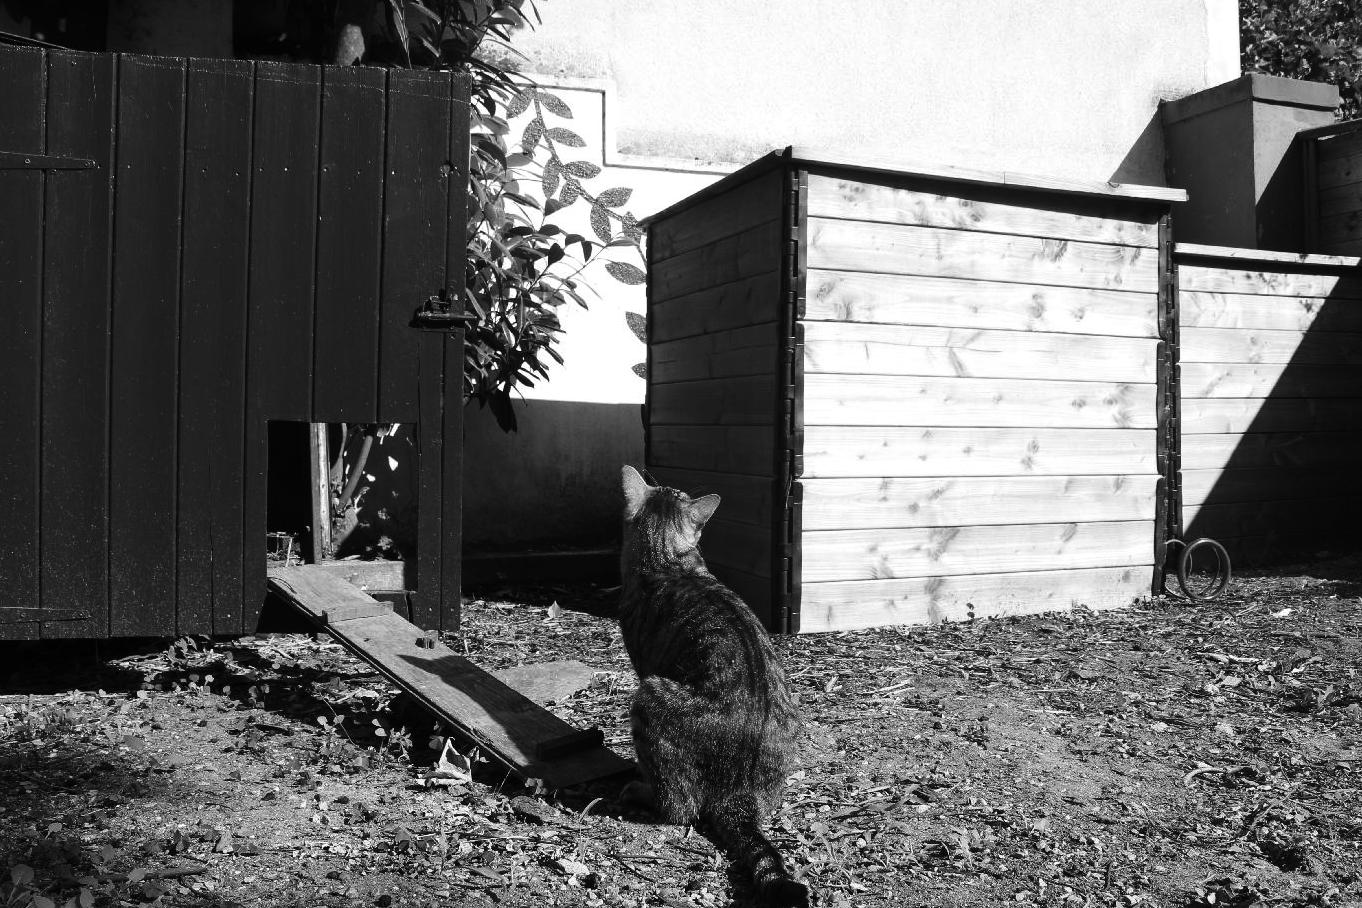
{"type": "Point", "coordinates": [600, 223]}
{"type": "Point", "coordinates": [534, 130]}
{"type": "Point", "coordinates": [552, 170]}
{"type": "Point", "coordinates": [519, 103]}
{"type": "Point", "coordinates": [638, 323]}
{"type": "Point", "coordinates": [613, 198]}
{"type": "Point", "coordinates": [554, 104]}
{"type": "Point", "coordinates": [639, 369]}
{"type": "Point", "coordinates": [582, 169]}
{"type": "Point", "coordinates": [566, 137]}
{"type": "Point", "coordinates": [626, 273]}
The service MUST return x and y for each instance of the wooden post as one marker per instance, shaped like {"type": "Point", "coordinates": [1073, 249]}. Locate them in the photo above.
{"type": "Point", "coordinates": [319, 463]}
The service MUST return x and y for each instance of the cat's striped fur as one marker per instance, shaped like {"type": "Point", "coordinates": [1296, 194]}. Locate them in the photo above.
{"type": "Point", "coordinates": [713, 722]}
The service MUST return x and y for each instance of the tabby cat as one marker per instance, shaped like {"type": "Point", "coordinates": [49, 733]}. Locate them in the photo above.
{"type": "Point", "coordinates": [713, 722]}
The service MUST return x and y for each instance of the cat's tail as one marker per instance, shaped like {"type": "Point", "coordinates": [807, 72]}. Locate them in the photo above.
{"type": "Point", "coordinates": [736, 824]}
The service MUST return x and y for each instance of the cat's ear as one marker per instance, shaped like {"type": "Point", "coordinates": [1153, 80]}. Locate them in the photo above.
{"type": "Point", "coordinates": [635, 490]}
{"type": "Point", "coordinates": [701, 509]}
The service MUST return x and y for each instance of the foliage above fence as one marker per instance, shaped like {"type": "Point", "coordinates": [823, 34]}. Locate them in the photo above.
{"type": "Point", "coordinates": [522, 265]}
{"type": "Point", "coordinates": [1318, 40]}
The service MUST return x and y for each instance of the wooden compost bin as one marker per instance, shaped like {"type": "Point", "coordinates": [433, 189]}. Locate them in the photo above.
{"type": "Point", "coordinates": [921, 395]}
{"type": "Point", "coordinates": [1270, 390]}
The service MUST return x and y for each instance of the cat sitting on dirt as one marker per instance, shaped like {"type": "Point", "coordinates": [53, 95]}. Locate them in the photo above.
{"type": "Point", "coordinates": [713, 722]}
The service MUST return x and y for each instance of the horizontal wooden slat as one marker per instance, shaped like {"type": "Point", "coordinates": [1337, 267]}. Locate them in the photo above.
{"type": "Point", "coordinates": [880, 400]}
{"type": "Point", "coordinates": [1268, 283]}
{"type": "Point", "coordinates": [728, 402]}
{"type": "Point", "coordinates": [896, 249]}
{"type": "Point", "coordinates": [918, 300]}
{"type": "Point", "coordinates": [741, 546]}
{"type": "Point", "coordinates": [720, 449]}
{"type": "Point", "coordinates": [752, 252]}
{"type": "Point", "coordinates": [1260, 259]}
{"type": "Point", "coordinates": [1268, 484]}
{"type": "Point", "coordinates": [722, 308]}
{"type": "Point", "coordinates": [738, 209]}
{"type": "Point", "coordinates": [1218, 345]}
{"type": "Point", "coordinates": [833, 451]}
{"type": "Point", "coordinates": [948, 551]}
{"type": "Point", "coordinates": [848, 605]}
{"type": "Point", "coordinates": [745, 351]}
{"type": "Point", "coordinates": [1276, 380]}
{"type": "Point", "coordinates": [1197, 309]}
{"type": "Point", "coordinates": [1349, 248]}
{"type": "Point", "coordinates": [1332, 148]}
{"type": "Point", "coordinates": [1260, 518]}
{"type": "Point", "coordinates": [1339, 170]}
{"type": "Point", "coordinates": [1248, 551]}
{"type": "Point", "coordinates": [1214, 417]}
{"type": "Point", "coordinates": [975, 208]}
{"type": "Point", "coordinates": [1344, 227]}
{"type": "Point", "coordinates": [1340, 199]}
{"type": "Point", "coordinates": [846, 504]}
{"type": "Point", "coordinates": [852, 347]}
{"type": "Point", "coordinates": [743, 499]}
{"type": "Point", "coordinates": [1267, 449]}
{"type": "Point", "coordinates": [821, 158]}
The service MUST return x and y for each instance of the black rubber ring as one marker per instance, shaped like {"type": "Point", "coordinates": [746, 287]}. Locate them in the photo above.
{"type": "Point", "coordinates": [1217, 584]}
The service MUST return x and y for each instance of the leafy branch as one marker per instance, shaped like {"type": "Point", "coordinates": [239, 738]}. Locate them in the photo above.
{"type": "Point", "coordinates": [522, 266]}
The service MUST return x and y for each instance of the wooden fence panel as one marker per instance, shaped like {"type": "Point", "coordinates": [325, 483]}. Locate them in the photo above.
{"type": "Point", "coordinates": [280, 314]}
{"type": "Point", "coordinates": [415, 213]}
{"type": "Point", "coordinates": [1269, 398]}
{"type": "Point", "coordinates": [75, 418]}
{"type": "Point", "coordinates": [349, 244]}
{"type": "Point", "coordinates": [215, 257]}
{"type": "Point", "coordinates": [144, 345]}
{"type": "Point", "coordinates": [450, 457]}
{"type": "Point", "coordinates": [23, 109]}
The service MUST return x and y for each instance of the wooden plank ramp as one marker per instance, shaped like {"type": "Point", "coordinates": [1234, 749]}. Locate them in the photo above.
{"type": "Point", "coordinates": [529, 740]}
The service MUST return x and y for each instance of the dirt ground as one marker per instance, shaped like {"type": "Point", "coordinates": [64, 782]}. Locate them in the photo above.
{"type": "Point", "coordinates": [1168, 755]}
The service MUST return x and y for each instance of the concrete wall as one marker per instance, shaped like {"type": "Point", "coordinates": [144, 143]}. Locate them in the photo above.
{"type": "Point", "coordinates": [1065, 87]}
{"type": "Point", "coordinates": [670, 96]}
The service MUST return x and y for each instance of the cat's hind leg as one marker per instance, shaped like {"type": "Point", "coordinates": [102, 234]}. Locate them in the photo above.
{"type": "Point", "coordinates": [664, 750]}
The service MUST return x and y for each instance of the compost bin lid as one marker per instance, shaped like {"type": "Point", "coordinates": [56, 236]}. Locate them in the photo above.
{"type": "Point", "coordinates": [799, 154]}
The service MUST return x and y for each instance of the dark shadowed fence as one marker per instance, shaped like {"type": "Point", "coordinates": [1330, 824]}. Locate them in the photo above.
{"type": "Point", "coordinates": [189, 250]}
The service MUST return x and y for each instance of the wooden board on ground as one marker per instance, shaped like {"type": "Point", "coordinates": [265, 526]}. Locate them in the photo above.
{"type": "Point", "coordinates": [548, 682]}
{"type": "Point", "coordinates": [504, 722]}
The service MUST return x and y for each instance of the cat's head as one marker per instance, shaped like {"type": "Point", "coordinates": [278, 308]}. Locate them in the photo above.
{"type": "Point", "coordinates": [664, 521]}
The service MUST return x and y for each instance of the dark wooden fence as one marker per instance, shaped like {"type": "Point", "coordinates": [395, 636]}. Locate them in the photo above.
{"type": "Point", "coordinates": [188, 250]}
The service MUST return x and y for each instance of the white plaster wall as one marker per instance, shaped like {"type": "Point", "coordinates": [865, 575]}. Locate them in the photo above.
{"type": "Point", "coordinates": [1062, 87]}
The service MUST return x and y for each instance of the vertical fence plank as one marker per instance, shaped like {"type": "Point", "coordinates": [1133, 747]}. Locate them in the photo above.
{"type": "Point", "coordinates": [349, 244]}
{"type": "Point", "coordinates": [411, 363]}
{"type": "Point", "coordinates": [215, 256]}
{"type": "Point", "coordinates": [144, 347]}
{"type": "Point", "coordinates": [456, 250]}
{"type": "Point", "coordinates": [75, 409]}
{"type": "Point", "coordinates": [22, 110]}
{"type": "Point", "coordinates": [414, 214]}
{"type": "Point", "coordinates": [280, 312]}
